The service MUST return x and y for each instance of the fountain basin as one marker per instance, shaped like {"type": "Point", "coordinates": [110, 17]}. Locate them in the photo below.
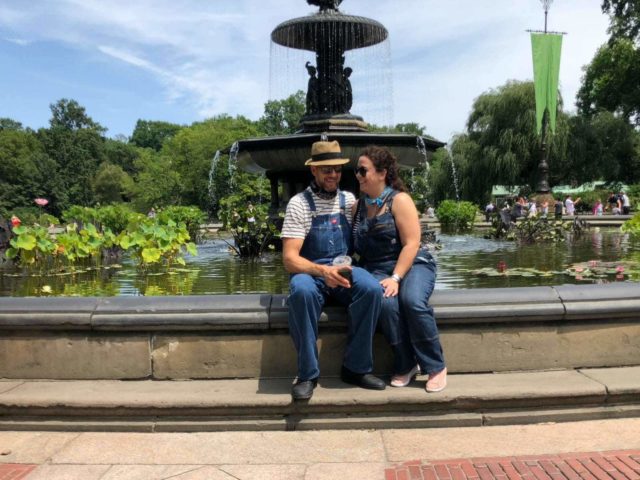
{"type": "Point", "coordinates": [283, 154]}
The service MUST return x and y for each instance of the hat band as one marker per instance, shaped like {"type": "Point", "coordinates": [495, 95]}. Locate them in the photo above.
{"type": "Point", "coordinates": [326, 156]}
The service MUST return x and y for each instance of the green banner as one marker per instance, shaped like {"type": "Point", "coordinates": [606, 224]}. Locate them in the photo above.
{"type": "Point", "coordinates": [546, 50]}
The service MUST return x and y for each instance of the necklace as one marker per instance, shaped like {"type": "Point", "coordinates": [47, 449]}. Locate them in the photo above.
{"type": "Point", "coordinates": [379, 200]}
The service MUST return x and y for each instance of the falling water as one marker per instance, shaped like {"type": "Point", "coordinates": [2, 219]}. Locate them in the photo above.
{"type": "Point", "coordinates": [212, 177]}
{"type": "Point", "coordinates": [455, 178]}
{"type": "Point", "coordinates": [233, 165]}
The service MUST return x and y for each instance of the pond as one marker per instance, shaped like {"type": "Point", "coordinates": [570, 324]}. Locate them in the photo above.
{"type": "Point", "coordinates": [464, 261]}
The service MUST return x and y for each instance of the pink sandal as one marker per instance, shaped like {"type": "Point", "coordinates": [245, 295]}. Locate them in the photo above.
{"type": "Point", "coordinates": [404, 380]}
{"type": "Point", "coordinates": [437, 381]}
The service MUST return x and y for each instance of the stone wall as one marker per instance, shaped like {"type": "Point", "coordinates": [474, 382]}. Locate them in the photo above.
{"type": "Point", "coordinates": [229, 336]}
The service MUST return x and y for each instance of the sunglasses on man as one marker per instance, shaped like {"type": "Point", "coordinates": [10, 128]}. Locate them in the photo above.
{"type": "Point", "coordinates": [329, 170]}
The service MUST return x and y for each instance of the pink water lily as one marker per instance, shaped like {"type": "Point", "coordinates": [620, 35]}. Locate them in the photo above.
{"type": "Point", "coordinates": [619, 269]}
{"type": "Point", "coordinates": [15, 221]}
{"type": "Point", "coordinates": [579, 269]}
{"type": "Point", "coordinates": [41, 202]}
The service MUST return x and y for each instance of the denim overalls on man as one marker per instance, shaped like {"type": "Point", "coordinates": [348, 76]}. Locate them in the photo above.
{"type": "Point", "coordinates": [328, 238]}
{"type": "Point", "coordinates": [406, 320]}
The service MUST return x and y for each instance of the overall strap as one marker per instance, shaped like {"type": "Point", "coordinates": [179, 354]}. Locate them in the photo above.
{"type": "Point", "coordinates": [312, 204]}
{"type": "Point", "coordinates": [343, 202]}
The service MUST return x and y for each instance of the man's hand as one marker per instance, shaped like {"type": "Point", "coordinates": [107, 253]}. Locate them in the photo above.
{"type": "Point", "coordinates": [333, 278]}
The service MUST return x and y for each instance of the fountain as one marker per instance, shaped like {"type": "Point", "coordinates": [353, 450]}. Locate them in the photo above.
{"type": "Point", "coordinates": [330, 35]}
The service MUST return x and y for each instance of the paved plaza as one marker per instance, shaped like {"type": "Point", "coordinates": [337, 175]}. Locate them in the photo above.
{"type": "Point", "coordinates": [591, 450]}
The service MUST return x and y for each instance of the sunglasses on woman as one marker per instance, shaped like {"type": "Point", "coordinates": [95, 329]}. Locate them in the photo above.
{"type": "Point", "coordinates": [362, 171]}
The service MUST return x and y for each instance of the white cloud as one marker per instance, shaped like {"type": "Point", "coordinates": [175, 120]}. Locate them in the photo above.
{"type": "Point", "coordinates": [213, 56]}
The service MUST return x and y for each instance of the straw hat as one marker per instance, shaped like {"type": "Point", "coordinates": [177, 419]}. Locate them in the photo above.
{"type": "Point", "coordinates": [326, 153]}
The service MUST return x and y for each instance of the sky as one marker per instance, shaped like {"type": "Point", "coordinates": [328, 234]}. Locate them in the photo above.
{"type": "Point", "coordinates": [183, 61]}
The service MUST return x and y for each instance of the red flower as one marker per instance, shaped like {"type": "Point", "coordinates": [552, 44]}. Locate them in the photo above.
{"type": "Point", "coordinates": [15, 221]}
{"type": "Point", "coordinates": [502, 267]}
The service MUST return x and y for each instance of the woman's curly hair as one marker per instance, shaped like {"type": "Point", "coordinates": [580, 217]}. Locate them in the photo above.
{"type": "Point", "coordinates": [382, 159]}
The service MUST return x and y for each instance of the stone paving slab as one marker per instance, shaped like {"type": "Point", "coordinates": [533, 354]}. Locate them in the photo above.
{"type": "Point", "coordinates": [251, 448]}
{"type": "Point", "coordinates": [619, 381]}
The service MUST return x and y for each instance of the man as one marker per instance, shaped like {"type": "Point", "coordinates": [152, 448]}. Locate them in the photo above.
{"type": "Point", "coordinates": [625, 203]}
{"type": "Point", "coordinates": [570, 205]}
{"type": "Point", "coordinates": [317, 229]}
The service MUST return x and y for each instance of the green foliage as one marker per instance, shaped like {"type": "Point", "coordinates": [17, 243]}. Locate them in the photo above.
{"type": "Point", "coordinates": [70, 115]}
{"type": "Point", "coordinates": [30, 244]}
{"type": "Point", "coordinates": [632, 225]}
{"type": "Point", "coordinates": [191, 216]}
{"type": "Point", "coordinates": [111, 184]}
{"type": "Point", "coordinates": [190, 153]}
{"type": "Point", "coordinates": [611, 81]}
{"type": "Point", "coordinates": [282, 117]}
{"type": "Point", "coordinates": [539, 229]}
{"type": "Point", "coordinates": [156, 183]}
{"type": "Point", "coordinates": [501, 146]}
{"type": "Point", "coordinates": [151, 242]}
{"type": "Point", "coordinates": [625, 18]}
{"type": "Point", "coordinates": [153, 134]}
{"type": "Point", "coordinates": [456, 216]}
{"type": "Point", "coordinates": [115, 217]}
{"type": "Point", "coordinates": [250, 226]}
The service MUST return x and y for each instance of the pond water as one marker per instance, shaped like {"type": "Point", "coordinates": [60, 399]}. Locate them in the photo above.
{"type": "Point", "coordinates": [464, 261]}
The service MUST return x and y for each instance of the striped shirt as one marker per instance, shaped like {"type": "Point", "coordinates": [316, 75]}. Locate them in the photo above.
{"type": "Point", "coordinates": [297, 220]}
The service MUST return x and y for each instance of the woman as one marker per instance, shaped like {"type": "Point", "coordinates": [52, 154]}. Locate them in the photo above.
{"type": "Point", "coordinates": [387, 244]}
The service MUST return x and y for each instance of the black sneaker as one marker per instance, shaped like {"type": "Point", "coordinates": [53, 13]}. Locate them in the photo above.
{"type": "Point", "coordinates": [303, 389]}
{"type": "Point", "coordinates": [364, 380]}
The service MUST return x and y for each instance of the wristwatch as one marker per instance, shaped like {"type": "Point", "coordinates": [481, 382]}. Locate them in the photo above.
{"type": "Point", "coordinates": [396, 277]}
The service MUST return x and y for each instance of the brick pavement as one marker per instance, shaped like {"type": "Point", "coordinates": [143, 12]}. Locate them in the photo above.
{"type": "Point", "coordinates": [12, 471]}
{"type": "Point", "coordinates": [614, 465]}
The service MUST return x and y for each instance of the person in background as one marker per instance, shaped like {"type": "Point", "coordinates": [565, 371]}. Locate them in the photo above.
{"type": "Point", "coordinates": [533, 209]}
{"type": "Point", "coordinates": [570, 205]}
{"type": "Point", "coordinates": [626, 203]}
{"type": "Point", "coordinates": [544, 210]}
{"type": "Point", "coordinates": [557, 209]}
{"type": "Point", "coordinates": [613, 203]}
{"type": "Point", "coordinates": [317, 229]}
{"type": "Point", "coordinates": [488, 211]}
{"type": "Point", "coordinates": [597, 208]}
{"type": "Point", "coordinates": [387, 244]}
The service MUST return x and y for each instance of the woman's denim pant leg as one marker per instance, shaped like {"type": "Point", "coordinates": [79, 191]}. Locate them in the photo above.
{"type": "Point", "coordinates": [395, 332]}
{"type": "Point", "coordinates": [415, 290]}
{"type": "Point", "coordinates": [305, 305]}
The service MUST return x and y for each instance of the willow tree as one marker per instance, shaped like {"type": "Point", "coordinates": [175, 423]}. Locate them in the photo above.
{"type": "Point", "coordinates": [500, 145]}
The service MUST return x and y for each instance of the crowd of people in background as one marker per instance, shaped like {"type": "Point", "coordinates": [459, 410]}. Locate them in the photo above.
{"type": "Point", "coordinates": [521, 207]}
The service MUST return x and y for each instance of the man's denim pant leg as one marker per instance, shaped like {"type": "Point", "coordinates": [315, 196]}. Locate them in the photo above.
{"type": "Point", "coordinates": [306, 299]}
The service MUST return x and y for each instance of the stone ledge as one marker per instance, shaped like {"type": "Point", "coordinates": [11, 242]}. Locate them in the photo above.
{"type": "Point", "coordinates": [265, 404]}
{"type": "Point", "coordinates": [265, 311]}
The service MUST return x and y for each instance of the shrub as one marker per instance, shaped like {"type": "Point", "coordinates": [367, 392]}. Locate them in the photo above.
{"type": "Point", "coordinates": [191, 216]}
{"type": "Point", "coordinates": [456, 216]}
{"type": "Point", "coordinates": [250, 226]}
{"type": "Point", "coordinates": [632, 225]}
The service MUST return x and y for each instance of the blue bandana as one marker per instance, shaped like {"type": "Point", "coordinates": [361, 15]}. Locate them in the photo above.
{"type": "Point", "coordinates": [379, 200]}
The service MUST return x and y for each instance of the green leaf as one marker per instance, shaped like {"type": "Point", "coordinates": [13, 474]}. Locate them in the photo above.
{"type": "Point", "coordinates": [19, 230]}
{"type": "Point", "coordinates": [150, 255]}
{"type": "Point", "coordinates": [11, 253]}
{"type": "Point", "coordinates": [192, 249]}
{"type": "Point", "coordinates": [25, 242]}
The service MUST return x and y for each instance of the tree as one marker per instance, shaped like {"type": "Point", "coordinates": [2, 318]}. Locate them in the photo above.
{"type": "Point", "coordinates": [112, 184]}
{"type": "Point", "coordinates": [152, 134]}
{"type": "Point", "coordinates": [26, 172]}
{"type": "Point", "coordinates": [9, 124]}
{"type": "Point", "coordinates": [282, 117]}
{"type": "Point", "coordinates": [75, 142]}
{"type": "Point", "coordinates": [157, 182]}
{"type": "Point", "coordinates": [192, 150]}
{"type": "Point", "coordinates": [612, 81]}
{"type": "Point", "coordinates": [625, 18]}
{"type": "Point", "coordinates": [70, 115]}
{"type": "Point", "coordinates": [501, 145]}
{"type": "Point", "coordinates": [122, 154]}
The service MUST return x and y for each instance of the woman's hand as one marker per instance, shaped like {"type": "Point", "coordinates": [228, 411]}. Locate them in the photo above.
{"type": "Point", "coordinates": [390, 286]}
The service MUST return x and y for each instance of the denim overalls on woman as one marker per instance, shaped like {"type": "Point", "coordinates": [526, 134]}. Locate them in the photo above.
{"type": "Point", "coordinates": [328, 238]}
{"type": "Point", "coordinates": [406, 320]}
